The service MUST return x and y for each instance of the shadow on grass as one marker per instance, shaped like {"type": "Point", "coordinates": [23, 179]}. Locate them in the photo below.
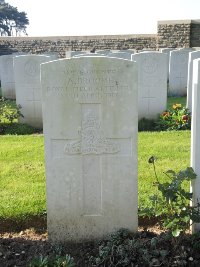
{"type": "Point", "coordinates": [17, 129]}
{"type": "Point", "coordinates": [37, 222]}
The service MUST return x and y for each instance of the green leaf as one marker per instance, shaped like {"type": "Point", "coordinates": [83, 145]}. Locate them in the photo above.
{"type": "Point", "coordinates": [176, 232]}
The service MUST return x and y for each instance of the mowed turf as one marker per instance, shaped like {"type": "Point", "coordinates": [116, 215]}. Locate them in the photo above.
{"type": "Point", "coordinates": [22, 172]}
{"type": "Point", "coordinates": [22, 177]}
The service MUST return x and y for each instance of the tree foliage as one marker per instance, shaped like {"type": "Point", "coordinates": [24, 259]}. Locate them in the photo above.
{"type": "Point", "coordinates": [12, 22]}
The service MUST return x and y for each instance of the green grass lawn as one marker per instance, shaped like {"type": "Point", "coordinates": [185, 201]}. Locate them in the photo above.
{"type": "Point", "coordinates": [172, 150]}
{"type": "Point", "coordinates": [22, 178]}
{"type": "Point", "coordinates": [22, 175]}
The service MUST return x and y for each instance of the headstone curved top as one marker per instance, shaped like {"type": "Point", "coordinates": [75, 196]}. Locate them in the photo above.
{"type": "Point", "coordinates": [123, 55]}
{"type": "Point", "coordinates": [70, 54]}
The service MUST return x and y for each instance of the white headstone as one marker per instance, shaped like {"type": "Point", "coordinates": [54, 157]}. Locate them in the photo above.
{"type": "Point", "coordinates": [152, 84]}
{"type": "Point", "coordinates": [178, 72]}
{"type": "Point", "coordinates": [195, 132]}
{"type": "Point", "coordinates": [167, 51]}
{"type": "Point", "coordinates": [7, 76]}
{"type": "Point", "coordinates": [192, 56]}
{"type": "Point", "coordinates": [90, 129]}
{"type": "Point", "coordinates": [123, 55]}
{"type": "Point", "coordinates": [28, 89]}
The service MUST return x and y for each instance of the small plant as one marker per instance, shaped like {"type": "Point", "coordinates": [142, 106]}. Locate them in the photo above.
{"type": "Point", "coordinates": [124, 249]}
{"type": "Point", "coordinates": [53, 261]}
{"type": "Point", "coordinates": [175, 118]}
{"type": "Point", "coordinates": [39, 262]}
{"type": "Point", "coordinates": [65, 261]}
{"type": "Point", "coordinates": [172, 202]}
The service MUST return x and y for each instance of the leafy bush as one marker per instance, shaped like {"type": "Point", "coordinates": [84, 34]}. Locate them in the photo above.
{"type": "Point", "coordinates": [9, 115]}
{"type": "Point", "coordinates": [9, 112]}
{"type": "Point", "coordinates": [175, 118]}
{"type": "Point", "coordinates": [172, 202]}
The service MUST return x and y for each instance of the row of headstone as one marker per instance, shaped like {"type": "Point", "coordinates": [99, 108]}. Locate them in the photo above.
{"type": "Point", "coordinates": [90, 108]}
{"type": "Point", "coordinates": [152, 83]}
{"type": "Point", "coordinates": [7, 73]}
{"type": "Point", "coordinates": [152, 90]}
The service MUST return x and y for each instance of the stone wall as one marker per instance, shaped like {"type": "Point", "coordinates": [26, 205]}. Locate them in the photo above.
{"type": "Point", "coordinates": [174, 34]}
{"type": "Point", "coordinates": [59, 44]}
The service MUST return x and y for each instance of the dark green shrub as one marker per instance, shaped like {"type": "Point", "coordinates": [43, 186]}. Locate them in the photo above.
{"type": "Point", "coordinates": [17, 128]}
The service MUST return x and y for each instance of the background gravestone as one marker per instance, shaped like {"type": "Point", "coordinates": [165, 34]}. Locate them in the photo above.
{"type": "Point", "coordinates": [28, 89]}
{"type": "Point", "coordinates": [178, 71]}
{"type": "Point", "coordinates": [90, 129]}
{"type": "Point", "coordinates": [7, 76]}
{"type": "Point", "coordinates": [167, 51]}
{"type": "Point", "coordinates": [152, 83]}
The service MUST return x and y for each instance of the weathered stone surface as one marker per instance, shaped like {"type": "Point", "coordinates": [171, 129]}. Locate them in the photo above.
{"type": "Point", "coordinates": [90, 129]}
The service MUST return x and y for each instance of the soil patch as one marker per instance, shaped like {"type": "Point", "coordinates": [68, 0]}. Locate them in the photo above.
{"type": "Point", "coordinates": [30, 239]}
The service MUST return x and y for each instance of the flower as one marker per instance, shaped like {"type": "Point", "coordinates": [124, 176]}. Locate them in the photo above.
{"type": "Point", "coordinates": [185, 118]}
{"type": "Point", "coordinates": [176, 106]}
{"type": "Point", "coordinates": [165, 114]}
